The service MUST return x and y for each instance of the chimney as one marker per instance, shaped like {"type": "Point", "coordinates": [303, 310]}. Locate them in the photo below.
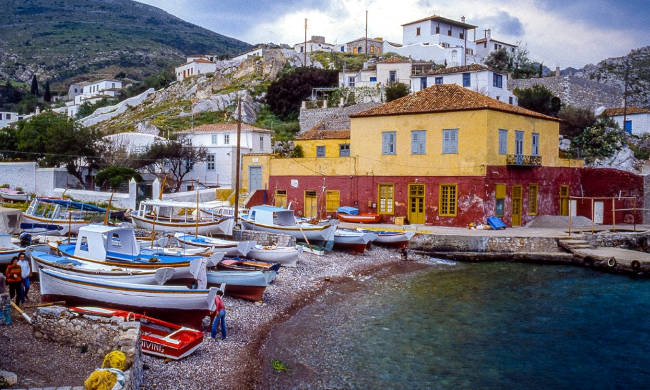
{"type": "Point", "coordinates": [488, 34]}
{"type": "Point", "coordinates": [462, 19]}
{"type": "Point", "coordinates": [557, 71]}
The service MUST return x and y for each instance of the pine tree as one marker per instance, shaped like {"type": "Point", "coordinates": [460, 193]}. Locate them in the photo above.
{"type": "Point", "coordinates": [34, 90]}
{"type": "Point", "coordinates": [47, 95]}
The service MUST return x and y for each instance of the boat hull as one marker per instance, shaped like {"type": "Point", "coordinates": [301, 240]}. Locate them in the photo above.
{"type": "Point", "coordinates": [37, 225]}
{"type": "Point", "coordinates": [394, 239]}
{"type": "Point", "coordinates": [317, 233]}
{"type": "Point", "coordinates": [359, 218]}
{"type": "Point", "coordinates": [6, 254]}
{"type": "Point", "coordinates": [287, 256]}
{"type": "Point", "coordinates": [353, 240]}
{"type": "Point", "coordinates": [227, 247]}
{"type": "Point", "coordinates": [223, 226]}
{"type": "Point", "coordinates": [14, 197]}
{"type": "Point", "coordinates": [249, 285]}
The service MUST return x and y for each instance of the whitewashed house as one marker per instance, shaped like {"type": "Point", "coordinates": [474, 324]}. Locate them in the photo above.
{"type": "Point", "coordinates": [7, 118]}
{"type": "Point", "coordinates": [487, 45]}
{"type": "Point", "coordinates": [221, 142]}
{"type": "Point", "coordinates": [196, 67]}
{"type": "Point", "coordinates": [478, 78]}
{"type": "Point", "coordinates": [634, 120]}
{"type": "Point", "coordinates": [380, 73]}
{"type": "Point", "coordinates": [316, 43]}
{"type": "Point", "coordinates": [207, 57]}
{"type": "Point", "coordinates": [255, 52]}
{"type": "Point", "coordinates": [132, 142]}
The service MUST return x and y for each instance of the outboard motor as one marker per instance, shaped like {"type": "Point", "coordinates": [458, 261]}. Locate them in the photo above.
{"type": "Point", "coordinates": [25, 239]}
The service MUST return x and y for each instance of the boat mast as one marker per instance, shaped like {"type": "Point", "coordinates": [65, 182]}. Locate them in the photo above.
{"type": "Point", "coordinates": [108, 209]}
{"type": "Point", "coordinates": [237, 167]}
{"type": "Point", "coordinates": [196, 227]}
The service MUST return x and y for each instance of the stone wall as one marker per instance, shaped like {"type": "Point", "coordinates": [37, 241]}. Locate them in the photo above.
{"type": "Point", "coordinates": [32, 179]}
{"type": "Point", "coordinates": [98, 334]}
{"type": "Point", "coordinates": [264, 238]}
{"type": "Point", "coordinates": [454, 243]}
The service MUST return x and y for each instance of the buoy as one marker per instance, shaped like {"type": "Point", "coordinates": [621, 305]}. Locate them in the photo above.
{"type": "Point", "coordinates": [611, 262]}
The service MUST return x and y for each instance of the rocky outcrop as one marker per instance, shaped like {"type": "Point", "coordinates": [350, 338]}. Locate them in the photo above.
{"type": "Point", "coordinates": [106, 113]}
{"type": "Point", "coordinates": [624, 160]}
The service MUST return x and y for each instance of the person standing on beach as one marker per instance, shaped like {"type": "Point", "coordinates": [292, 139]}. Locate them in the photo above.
{"type": "Point", "coordinates": [26, 273]}
{"type": "Point", "coordinates": [14, 278]}
{"type": "Point", "coordinates": [220, 317]}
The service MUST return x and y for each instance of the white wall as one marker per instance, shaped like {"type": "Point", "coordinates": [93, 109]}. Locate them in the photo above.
{"type": "Point", "coordinates": [41, 181]}
{"type": "Point", "coordinates": [9, 117]}
{"type": "Point", "coordinates": [313, 47]}
{"type": "Point", "coordinates": [194, 69]}
{"type": "Point", "coordinates": [640, 123]}
{"type": "Point", "coordinates": [253, 53]}
{"type": "Point", "coordinates": [403, 74]}
{"type": "Point", "coordinates": [480, 82]}
{"type": "Point", "coordinates": [362, 78]}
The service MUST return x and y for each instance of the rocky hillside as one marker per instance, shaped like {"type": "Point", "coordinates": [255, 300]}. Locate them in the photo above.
{"type": "Point", "coordinates": [68, 40]}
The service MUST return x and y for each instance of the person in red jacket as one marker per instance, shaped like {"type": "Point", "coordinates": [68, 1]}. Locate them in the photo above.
{"type": "Point", "coordinates": [220, 317]}
{"type": "Point", "coordinates": [15, 280]}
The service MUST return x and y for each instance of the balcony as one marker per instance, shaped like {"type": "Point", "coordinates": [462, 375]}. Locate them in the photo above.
{"type": "Point", "coordinates": [522, 160]}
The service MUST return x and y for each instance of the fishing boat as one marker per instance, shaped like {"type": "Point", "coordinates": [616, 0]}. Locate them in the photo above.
{"type": "Point", "coordinates": [394, 239]}
{"type": "Point", "coordinates": [228, 247]}
{"type": "Point", "coordinates": [354, 240]}
{"type": "Point", "coordinates": [237, 264]}
{"type": "Point", "coordinates": [352, 214]}
{"type": "Point", "coordinates": [249, 285]}
{"type": "Point", "coordinates": [157, 337]}
{"type": "Point", "coordinates": [172, 217]}
{"type": "Point", "coordinates": [8, 249]}
{"type": "Point", "coordinates": [57, 216]}
{"type": "Point", "coordinates": [13, 195]}
{"type": "Point", "coordinates": [278, 220]}
{"type": "Point", "coordinates": [178, 303]}
{"type": "Point", "coordinates": [287, 256]}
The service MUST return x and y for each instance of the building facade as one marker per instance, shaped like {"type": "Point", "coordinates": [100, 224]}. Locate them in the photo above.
{"type": "Point", "coordinates": [6, 118]}
{"type": "Point", "coordinates": [486, 45]}
{"type": "Point", "coordinates": [634, 120]}
{"type": "Point", "coordinates": [358, 46]}
{"type": "Point", "coordinates": [316, 43]}
{"type": "Point", "coordinates": [194, 68]}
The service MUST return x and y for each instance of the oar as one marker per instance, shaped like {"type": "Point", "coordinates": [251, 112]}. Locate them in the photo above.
{"type": "Point", "coordinates": [57, 303]}
{"type": "Point", "coordinates": [303, 233]}
{"type": "Point", "coordinates": [21, 312]}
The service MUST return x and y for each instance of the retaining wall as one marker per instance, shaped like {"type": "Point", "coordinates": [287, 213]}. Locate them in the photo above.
{"type": "Point", "coordinates": [457, 243]}
{"type": "Point", "coordinates": [264, 238]}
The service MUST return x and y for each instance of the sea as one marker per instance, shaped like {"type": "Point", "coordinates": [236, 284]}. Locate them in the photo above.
{"type": "Point", "coordinates": [497, 325]}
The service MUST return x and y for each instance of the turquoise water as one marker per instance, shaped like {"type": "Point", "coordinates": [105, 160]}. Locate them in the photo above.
{"type": "Point", "coordinates": [471, 326]}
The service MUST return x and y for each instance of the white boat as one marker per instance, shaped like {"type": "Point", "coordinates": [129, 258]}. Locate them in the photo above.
{"type": "Point", "coordinates": [285, 255]}
{"type": "Point", "coordinates": [172, 217]}
{"type": "Point", "coordinates": [8, 249]}
{"type": "Point", "coordinates": [352, 239]}
{"type": "Point", "coordinates": [13, 195]}
{"type": "Point", "coordinates": [228, 247]}
{"type": "Point", "coordinates": [184, 305]}
{"type": "Point", "coordinates": [278, 220]}
{"type": "Point", "coordinates": [389, 238]}
{"type": "Point", "coordinates": [58, 216]}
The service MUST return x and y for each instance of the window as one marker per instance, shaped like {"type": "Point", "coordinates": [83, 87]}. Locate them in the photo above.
{"type": "Point", "coordinates": [372, 49]}
{"type": "Point", "coordinates": [519, 142]}
{"type": "Point", "coordinates": [320, 151]}
{"type": "Point", "coordinates": [503, 141]}
{"type": "Point", "coordinates": [449, 32]}
{"type": "Point", "coordinates": [510, 99]}
{"type": "Point", "coordinates": [417, 31]}
{"type": "Point", "coordinates": [214, 139]}
{"type": "Point", "coordinates": [500, 200]}
{"type": "Point", "coordinates": [497, 80]}
{"type": "Point", "coordinates": [112, 85]}
{"type": "Point", "coordinates": [448, 195]}
{"type": "Point", "coordinates": [437, 29]}
{"type": "Point", "coordinates": [261, 141]}
{"type": "Point", "coordinates": [495, 46]}
{"type": "Point", "coordinates": [344, 150]}
{"type": "Point", "coordinates": [534, 147]}
{"type": "Point", "coordinates": [450, 141]}
{"type": "Point", "coordinates": [211, 162]}
{"type": "Point", "coordinates": [423, 82]}
{"type": "Point", "coordinates": [360, 49]}
{"type": "Point", "coordinates": [280, 198]}
{"type": "Point", "coordinates": [392, 76]}
{"type": "Point", "coordinates": [301, 49]}
{"type": "Point", "coordinates": [386, 198]}
{"type": "Point", "coordinates": [438, 80]}
{"type": "Point", "coordinates": [351, 81]}
{"type": "Point", "coordinates": [8, 116]}
{"type": "Point", "coordinates": [373, 79]}
{"type": "Point", "coordinates": [418, 141]}
{"type": "Point", "coordinates": [627, 126]}
{"type": "Point", "coordinates": [461, 35]}
{"type": "Point", "coordinates": [332, 200]}
{"type": "Point", "coordinates": [466, 80]}
{"type": "Point", "coordinates": [388, 142]}
{"type": "Point", "coordinates": [226, 139]}
{"type": "Point", "coordinates": [532, 199]}
{"type": "Point", "coordinates": [354, 50]}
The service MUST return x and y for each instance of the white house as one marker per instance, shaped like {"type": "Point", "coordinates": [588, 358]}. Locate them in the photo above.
{"type": "Point", "coordinates": [207, 57]}
{"type": "Point", "coordinates": [255, 52]}
{"type": "Point", "coordinates": [634, 120]}
{"type": "Point", "coordinates": [6, 118]}
{"type": "Point", "coordinates": [380, 73]}
{"type": "Point", "coordinates": [102, 87]}
{"type": "Point", "coordinates": [316, 43]}
{"type": "Point", "coordinates": [90, 92]}
{"type": "Point", "coordinates": [476, 77]}
{"type": "Point", "coordinates": [195, 67]}
{"type": "Point", "coordinates": [132, 142]}
{"type": "Point", "coordinates": [221, 142]}
{"type": "Point", "coordinates": [487, 45]}
{"type": "Point", "coordinates": [438, 39]}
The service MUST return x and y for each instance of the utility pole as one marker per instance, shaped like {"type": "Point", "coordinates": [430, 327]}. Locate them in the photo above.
{"type": "Point", "coordinates": [366, 34]}
{"type": "Point", "coordinates": [305, 51]}
{"type": "Point", "coordinates": [237, 167]}
{"type": "Point", "coordinates": [627, 72]}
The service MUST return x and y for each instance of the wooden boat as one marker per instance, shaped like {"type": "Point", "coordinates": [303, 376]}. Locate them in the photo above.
{"type": "Point", "coordinates": [287, 256]}
{"type": "Point", "coordinates": [175, 217]}
{"type": "Point", "coordinates": [228, 247]}
{"type": "Point", "coordinates": [352, 239]}
{"type": "Point", "coordinates": [58, 216]}
{"type": "Point", "coordinates": [278, 220]}
{"type": "Point", "coordinates": [237, 264]}
{"type": "Point", "coordinates": [359, 218]}
{"type": "Point", "coordinates": [103, 272]}
{"type": "Point", "coordinates": [249, 285]}
{"type": "Point", "coordinates": [158, 337]}
{"type": "Point", "coordinates": [8, 249]}
{"type": "Point", "coordinates": [394, 239]}
{"type": "Point", "coordinates": [187, 306]}
{"type": "Point", "coordinates": [13, 195]}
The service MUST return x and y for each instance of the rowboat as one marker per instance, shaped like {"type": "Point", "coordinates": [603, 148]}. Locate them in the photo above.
{"type": "Point", "coordinates": [228, 247]}
{"type": "Point", "coordinates": [245, 265]}
{"type": "Point", "coordinates": [394, 239]}
{"type": "Point", "coordinates": [13, 195]}
{"type": "Point", "coordinates": [58, 216]}
{"type": "Point", "coordinates": [158, 337]}
{"type": "Point", "coordinates": [248, 285]}
{"type": "Point", "coordinates": [278, 220]}
{"type": "Point", "coordinates": [172, 217]}
{"type": "Point", "coordinates": [104, 272]}
{"type": "Point", "coordinates": [359, 218]}
{"type": "Point", "coordinates": [352, 239]}
{"type": "Point", "coordinates": [8, 249]}
{"type": "Point", "coordinates": [287, 256]}
{"type": "Point", "coordinates": [187, 306]}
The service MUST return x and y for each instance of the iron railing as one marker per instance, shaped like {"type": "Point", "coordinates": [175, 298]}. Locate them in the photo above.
{"type": "Point", "coordinates": [522, 160]}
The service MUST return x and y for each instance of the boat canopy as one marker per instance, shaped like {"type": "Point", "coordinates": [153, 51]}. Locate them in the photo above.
{"type": "Point", "coordinates": [73, 204]}
{"type": "Point", "coordinates": [271, 215]}
{"type": "Point", "coordinates": [10, 220]}
{"type": "Point", "coordinates": [348, 210]}
{"type": "Point", "coordinates": [94, 241]}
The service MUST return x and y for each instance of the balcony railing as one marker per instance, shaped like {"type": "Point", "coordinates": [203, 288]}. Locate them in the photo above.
{"type": "Point", "coordinates": [522, 160]}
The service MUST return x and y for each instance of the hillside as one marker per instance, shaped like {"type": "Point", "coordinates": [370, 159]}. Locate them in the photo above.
{"type": "Point", "coordinates": [69, 40]}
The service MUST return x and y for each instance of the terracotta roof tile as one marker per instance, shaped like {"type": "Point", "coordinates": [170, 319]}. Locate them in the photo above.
{"type": "Point", "coordinates": [395, 60]}
{"type": "Point", "coordinates": [630, 110]}
{"type": "Point", "coordinates": [215, 127]}
{"type": "Point", "coordinates": [445, 98]}
{"type": "Point", "coordinates": [444, 20]}
{"type": "Point", "coordinates": [459, 69]}
{"type": "Point", "coordinates": [317, 133]}
{"type": "Point", "coordinates": [203, 61]}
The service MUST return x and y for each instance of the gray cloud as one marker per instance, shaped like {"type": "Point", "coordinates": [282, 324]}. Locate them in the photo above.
{"type": "Point", "coordinates": [502, 23]}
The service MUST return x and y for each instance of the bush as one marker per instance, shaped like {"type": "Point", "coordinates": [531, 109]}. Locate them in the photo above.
{"type": "Point", "coordinates": [575, 120]}
{"type": "Point", "coordinates": [538, 98]}
{"type": "Point", "coordinates": [602, 140]}
{"type": "Point", "coordinates": [396, 91]}
{"type": "Point", "coordinates": [116, 176]}
{"type": "Point", "coordinates": [285, 94]}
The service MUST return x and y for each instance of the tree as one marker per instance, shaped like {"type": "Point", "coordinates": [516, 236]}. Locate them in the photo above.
{"type": "Point", "coordinates": [47, 96]}
{"type": "Point", "coordinates": [396, 91]}
{"type": "Point", "coordinates": [517, 63]}
{"type": "Point", "coordinates": [499, 60]}
{"type": "Point", "coordinates": [53, 140]}
{"type": "Point", "coordinates": [115, 176]}
{"type": "Point", "coordinates": [538, 98]}
{"type": "Point", "coordinates": [88, 108]}
{"type": "Point", "coordinates": [8, 143]}
{"type": "Point", "coordinates": [601, 140]}
{"type": "Point", "coordinates": [173, 158]}
{"type": "Point", "coordinates": [575, 120]}
{"type": "Point", "coordinates": [34, 89]}
{"type": "Point", "coordinates": [285, 94]}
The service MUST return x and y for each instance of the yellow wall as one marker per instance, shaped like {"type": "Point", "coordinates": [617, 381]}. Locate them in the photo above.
{"type": "Point", "coordinates": [255, 160]}
{"type": "Point", "coordinates": [331, 146]}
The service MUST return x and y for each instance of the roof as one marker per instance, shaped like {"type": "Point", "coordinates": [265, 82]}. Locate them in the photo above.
{"type": "Point", "coordinates": [494, 40]}
{"type": "Point", "coordinates": [459, 69]}
{"type": "Point", "coordinates": [394, 60]}
{"type": "Point", "coordinates": [444, 20]}
{"type": "Point", "coordinates": [446, 98]}
{"type": "Point", "coordinates": [364, 38]}
{"type": "Point", "coordinates": [215, 127]}
{"type": "Point", "coordinates": [622, 111]}
{"type": "Point", "coordinates": [318, 133]}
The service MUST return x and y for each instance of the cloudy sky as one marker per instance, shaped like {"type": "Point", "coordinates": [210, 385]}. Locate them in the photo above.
{"type": "Point", "coordinates": [557, 32]}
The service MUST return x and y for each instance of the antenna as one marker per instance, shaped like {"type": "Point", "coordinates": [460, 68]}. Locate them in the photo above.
{"type": "Point", "coordinates": [305, 51]}
{"type": "Point", "coordinates": [366, 33]}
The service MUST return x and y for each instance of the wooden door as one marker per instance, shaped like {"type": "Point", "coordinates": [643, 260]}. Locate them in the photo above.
{"type": "Point", "coordinates": [516, 205]}
{"type": "Point", "coordinates": [254, 178]}
{"type": "Point", "coordinates": [564, 200]}
{"type": "Point", "coordinates": [311, 204]}
{"type": "Point", "coordinates": [281, 198]}
{"type": "Point", "coordinates": [416, 204]}
{"type": "Point", "coordinates": [599, 211]}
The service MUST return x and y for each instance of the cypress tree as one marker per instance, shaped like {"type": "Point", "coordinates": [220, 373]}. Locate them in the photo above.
{"type": "Point", "coordinates": [34, 90]}
{"type": "Point", "coordinates": [47, 95]}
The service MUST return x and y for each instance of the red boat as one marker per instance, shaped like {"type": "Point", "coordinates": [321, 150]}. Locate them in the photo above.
{"type": "Point", "coordinates": [158, 337]}
{"type": "Point", "coordinates": [359, 218]}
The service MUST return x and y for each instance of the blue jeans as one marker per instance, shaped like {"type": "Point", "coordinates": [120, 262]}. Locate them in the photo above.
{"type": "Point", "coordinates": [24, 289]}
{"type": "Point", "coordinates": [221, 317]}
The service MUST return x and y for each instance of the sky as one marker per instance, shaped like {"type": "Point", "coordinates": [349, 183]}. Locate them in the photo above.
{"type": "Point", "coordinates": [558, 32]}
